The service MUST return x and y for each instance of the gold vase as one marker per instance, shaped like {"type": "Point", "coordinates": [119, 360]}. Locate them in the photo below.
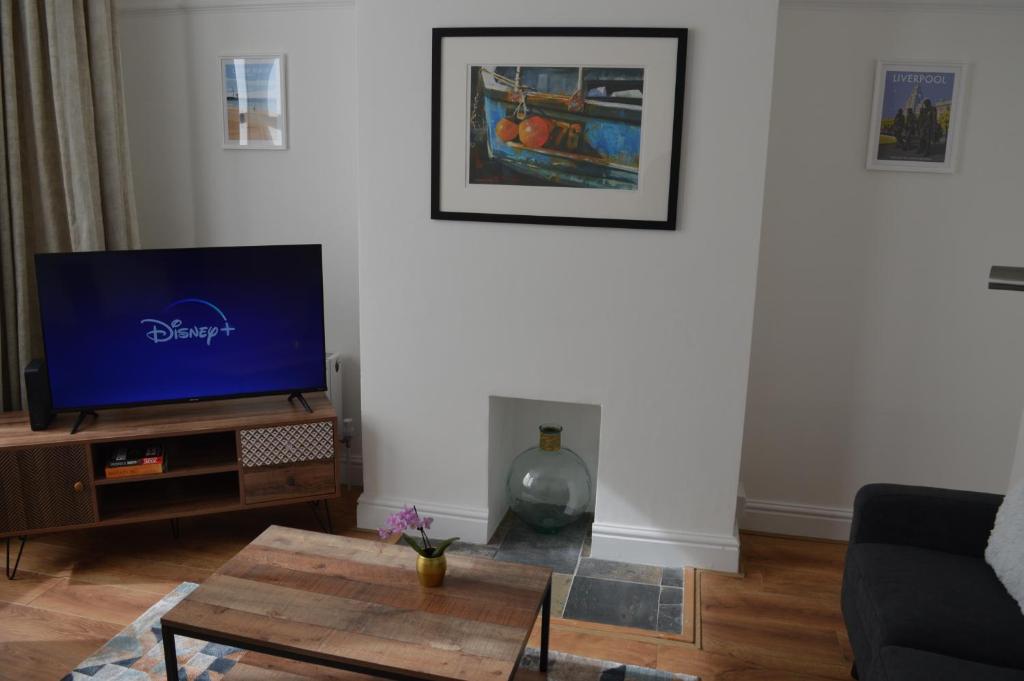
{"type": "Point", "coordinates": [431, 570]}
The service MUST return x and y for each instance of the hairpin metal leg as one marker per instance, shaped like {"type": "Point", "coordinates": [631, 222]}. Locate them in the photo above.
{"type": "Point", "coordinates": [327, 525]}
{"type": "Point", "coordinates": [11, 573]}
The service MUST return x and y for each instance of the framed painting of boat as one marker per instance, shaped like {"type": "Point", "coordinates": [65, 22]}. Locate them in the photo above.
{"type": "Point", "coordinates": [562, 126]}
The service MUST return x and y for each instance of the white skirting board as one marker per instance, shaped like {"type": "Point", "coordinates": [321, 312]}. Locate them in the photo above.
{"type": "Point", "coordinates": [626, 543]}
{"type": "Point", "coordinates": [465, 522]}
{"type": "Point", "coordinates": [667, 548]}
{"type": "Point", "coordinates": [800, 520]}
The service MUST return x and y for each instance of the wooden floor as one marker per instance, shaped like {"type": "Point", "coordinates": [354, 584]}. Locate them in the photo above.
{"type": "Point", "coordinates": [779, 620]}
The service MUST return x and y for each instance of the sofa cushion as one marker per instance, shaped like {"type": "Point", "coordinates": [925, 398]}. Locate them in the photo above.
{"type": "Point", "coordinates": [933, 601]}
{"type": "Point", "coordinates": [1005, 551]}
{"type": "Point", "coordinates": [908, 664]}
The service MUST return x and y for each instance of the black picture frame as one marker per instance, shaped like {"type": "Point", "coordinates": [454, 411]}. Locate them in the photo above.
{"type": "Point", "coordinates": [440, 34]}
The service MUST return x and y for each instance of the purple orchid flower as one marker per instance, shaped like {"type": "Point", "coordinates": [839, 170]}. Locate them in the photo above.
{"type": "Point", "coordinates": [408, 518]}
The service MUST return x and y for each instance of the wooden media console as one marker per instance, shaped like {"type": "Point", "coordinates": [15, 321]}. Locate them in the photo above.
{"type": "Point", "coordinates": [221, 456]}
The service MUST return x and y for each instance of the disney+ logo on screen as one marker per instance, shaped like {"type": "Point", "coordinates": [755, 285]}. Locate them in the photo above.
{"type": "Point", "coordinates": [215, 324]}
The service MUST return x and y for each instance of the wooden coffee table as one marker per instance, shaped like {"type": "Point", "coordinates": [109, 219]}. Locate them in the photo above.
{"type": "Point", "coordinates": [356, 605]}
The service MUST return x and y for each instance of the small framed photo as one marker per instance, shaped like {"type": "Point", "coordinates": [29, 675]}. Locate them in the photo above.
{"type": "Point", "coordinates": [916, 116]}
{"type": "Point", "coordinates": [558, 126]}
{"type": "Point", "coordinates": [254, 101]}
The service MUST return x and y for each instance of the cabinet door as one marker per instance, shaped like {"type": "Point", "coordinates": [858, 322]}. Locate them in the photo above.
{"type": "Point", "coordinates": [51, 487]}
{"type": "Point", "coordinates": [12, 508]}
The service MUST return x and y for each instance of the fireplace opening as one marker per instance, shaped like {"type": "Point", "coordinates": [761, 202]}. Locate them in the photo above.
{"type": "Point", "coordinates": [583, 588]}
{"type": "Point", "coordinates": [514, 427]}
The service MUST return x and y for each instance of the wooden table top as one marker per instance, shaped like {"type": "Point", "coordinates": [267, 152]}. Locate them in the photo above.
{"type": "Point", "coordinates": [356, 601]}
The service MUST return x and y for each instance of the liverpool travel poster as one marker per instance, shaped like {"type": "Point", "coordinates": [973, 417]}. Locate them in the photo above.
{"type": "Point", "coordinates": [916, 117]}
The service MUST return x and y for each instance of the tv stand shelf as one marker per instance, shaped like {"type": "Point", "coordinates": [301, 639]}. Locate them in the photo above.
{"type": "Point", "coordinates": [171, 472]}
{"type": "Point", "coordinates": [221, 456]}
{"type": "Point", "coordinates": [207, 494]}
{"type": "Point", "coordinates": [186, 455]}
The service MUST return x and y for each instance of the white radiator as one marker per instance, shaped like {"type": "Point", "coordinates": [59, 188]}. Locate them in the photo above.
{"type": "Point", "coordinates": [351, 461]}
{"type": "Point", "coordinates": [334, 384]}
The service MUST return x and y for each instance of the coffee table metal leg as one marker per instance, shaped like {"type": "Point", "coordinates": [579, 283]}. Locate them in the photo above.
{"type": "Point", "coordinates": [170, 654]}
{"type": "Point", "coordinates": [545, 628]}
{"type": "Point", "coordinates": [227, 640]}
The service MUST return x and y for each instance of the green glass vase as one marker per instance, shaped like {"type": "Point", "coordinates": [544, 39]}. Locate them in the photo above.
{"type": "Point", "coordinates": [549, 485]}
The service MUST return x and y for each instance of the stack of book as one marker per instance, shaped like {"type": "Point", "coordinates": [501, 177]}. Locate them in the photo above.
{"type": "Point", "coordinates": [129, 461]}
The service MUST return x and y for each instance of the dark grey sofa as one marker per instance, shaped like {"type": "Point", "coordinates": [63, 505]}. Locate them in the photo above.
{"type": "Point", "coordinates": [919, 600]}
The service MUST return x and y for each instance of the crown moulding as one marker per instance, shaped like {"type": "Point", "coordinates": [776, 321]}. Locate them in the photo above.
{"type": "Point", "coordinates": [132, 7]}
{"type": "Point", "coordinates": [187, 6]}
{"type": "Point", "coordinates": [983, 6]}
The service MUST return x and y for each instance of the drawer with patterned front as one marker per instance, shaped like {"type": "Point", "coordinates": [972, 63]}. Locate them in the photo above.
{"type": "Point", "coordinates": [287, 444]}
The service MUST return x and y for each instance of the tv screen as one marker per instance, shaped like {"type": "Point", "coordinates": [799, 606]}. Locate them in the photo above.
{"type": "Point", "coordinates": [127, 328]}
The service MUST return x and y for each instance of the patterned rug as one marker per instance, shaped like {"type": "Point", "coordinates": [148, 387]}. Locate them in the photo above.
{"type": "Point", "coordinates": [136, 654]}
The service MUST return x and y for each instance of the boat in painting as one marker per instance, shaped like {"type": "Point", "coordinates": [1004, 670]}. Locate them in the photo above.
{"type": "Point", "coordinates": [556, 126]}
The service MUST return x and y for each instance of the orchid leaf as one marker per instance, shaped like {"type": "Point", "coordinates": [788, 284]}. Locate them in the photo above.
{"type": "Point", "coordinates": [414, 543]}
{"type": "Point", "coordinates": [440, 548]}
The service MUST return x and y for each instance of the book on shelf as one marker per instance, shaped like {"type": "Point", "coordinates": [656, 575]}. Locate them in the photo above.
{"type": "Point", "coordinates": [129, 461]}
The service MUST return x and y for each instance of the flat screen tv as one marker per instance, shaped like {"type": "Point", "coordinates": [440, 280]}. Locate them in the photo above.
{"type": "Point", "coordinates": [128, 328]}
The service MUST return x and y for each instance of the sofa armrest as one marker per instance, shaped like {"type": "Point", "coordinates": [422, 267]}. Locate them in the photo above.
{"type": "Point", "coordinates": [927, 517]}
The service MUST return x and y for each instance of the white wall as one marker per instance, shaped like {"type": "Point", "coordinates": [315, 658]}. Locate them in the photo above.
{"type": "Point", "coordinates": [878, 352]}
{"type": "Point", "coordinates": [1017, 471]}
{"type": "Point", "coordinates": [652, 326]}
{"type": "Point", "coordinates": [191, 192]}
{"type": "Point", "coordinates": [158, 89]}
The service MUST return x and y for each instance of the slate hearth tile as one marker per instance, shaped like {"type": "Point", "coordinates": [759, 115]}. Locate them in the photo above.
{"type": "Point", "coordinates": [671, 595]}
{"type": "Point", "coordinates": [672, 577]}
{"type": "Point", "coordinates": [559, 551]}
{"type": "Point", "coordinates": [670, 619]}
{"type": "Point", "coordinates": [560, 585]}
{"type": "Point", "coordinates": [607, 601]}
{"type": "Point", "coordinates": [461, 548]}
{"type": "Point", "coordinates": [626, 572]}
{"type": "Point", "coordinates": [504, 526]}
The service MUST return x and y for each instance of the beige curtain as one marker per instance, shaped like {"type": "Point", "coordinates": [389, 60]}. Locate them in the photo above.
{"type": "Point", "coordinates": [65, 183]}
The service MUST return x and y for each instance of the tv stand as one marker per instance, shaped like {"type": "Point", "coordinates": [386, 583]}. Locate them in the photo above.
{"type": "Point", "coordinates": [80, 419]}
{"type": "Point", "coordinates": [302, 401]}
{"type": "Point", "coordinates": [230, 455]}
